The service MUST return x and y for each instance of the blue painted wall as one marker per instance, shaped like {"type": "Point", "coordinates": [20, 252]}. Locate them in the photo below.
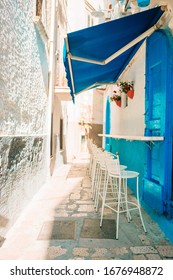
{"type": "Point", "coordinates": [132, 154]}
{"type": "Point", "coordinates": [155, 162]}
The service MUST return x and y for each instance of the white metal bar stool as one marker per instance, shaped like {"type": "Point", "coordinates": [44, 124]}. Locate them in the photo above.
{"type": "Point", "coordinates": [119, 178]}
{"type": "Point", "coordinates": [89, 146]}
{"type": "Point", "coordinates": [103, 177]}
{"type": "Point", "coordinates": [95, 170]}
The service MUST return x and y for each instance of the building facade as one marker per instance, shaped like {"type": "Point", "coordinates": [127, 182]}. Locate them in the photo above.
{"type": "Point", "coordinates": [141, 130]}
{"type": "Point", "coordinates": [28, 58]}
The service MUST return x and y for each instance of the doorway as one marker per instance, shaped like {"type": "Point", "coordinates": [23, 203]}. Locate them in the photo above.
{"type": "Point", "coordinates": [158, 188]}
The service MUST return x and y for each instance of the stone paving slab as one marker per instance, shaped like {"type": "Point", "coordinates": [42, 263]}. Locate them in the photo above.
{"type": "Point", "coordinates": [143, 250]}
{"type": "Point", "coordinates": [58, 230]}
{"type": "Point", "coordinates": [91, 229]}
{"type": "Point", "coordinates": [165, 251]}
{"type": "Point", "coordinates": [54, 251]}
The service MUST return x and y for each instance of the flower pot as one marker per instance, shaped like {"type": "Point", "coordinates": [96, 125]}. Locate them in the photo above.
{"type": "Point", "coordinates": [118, 102]}
{"type": "Point", "coordinates": [130, 93]}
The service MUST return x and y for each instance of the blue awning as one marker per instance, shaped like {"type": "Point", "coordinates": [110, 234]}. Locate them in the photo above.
{"type": "Point", "coordinates": [98, 55]}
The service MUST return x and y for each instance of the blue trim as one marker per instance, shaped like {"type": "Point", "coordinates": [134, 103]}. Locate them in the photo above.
{"type": "Point", "coordinates": [107, 124]}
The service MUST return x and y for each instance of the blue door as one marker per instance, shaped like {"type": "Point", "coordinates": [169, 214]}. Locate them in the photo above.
{"type": "Point", "coordinates": [158, 185]}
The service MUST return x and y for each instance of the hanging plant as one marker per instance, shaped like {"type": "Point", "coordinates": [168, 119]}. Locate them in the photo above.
{"type": "Point", "coordinates": [116, 98]}
{"type": "Point", "coordinates": [127, 88]}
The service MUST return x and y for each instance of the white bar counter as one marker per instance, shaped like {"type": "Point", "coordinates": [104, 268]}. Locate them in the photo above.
{"type": "Point", "coordinates": [134, 137]}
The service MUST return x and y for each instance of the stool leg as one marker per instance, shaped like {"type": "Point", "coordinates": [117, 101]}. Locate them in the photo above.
{"type": "Point", "coordinates": [93, 178]}
{"type": "Point", "coordinates": [90, 165]}
{"type": "Point", "coordinates": [126, 201]}
{"type": "Point", "coordinates": [118, 207]}
{"type": "Point", "coordinates": [97, 173]}
{"type": "Point", "coordinates": [104, 197]}
{"type": "Point", "coordinates": [98, 189]}
{"type": "Point", "coordinates": [97, 186]}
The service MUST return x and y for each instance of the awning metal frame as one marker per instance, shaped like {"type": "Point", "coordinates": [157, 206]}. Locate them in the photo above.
{"type": "Point", "coordinates": [120, 51]}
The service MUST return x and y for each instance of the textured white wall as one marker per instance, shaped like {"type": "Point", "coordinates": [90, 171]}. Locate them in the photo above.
{"type": "Point", "coordinates": [23, 71]}
{"type": "Point", "coordinates": [23, 109]}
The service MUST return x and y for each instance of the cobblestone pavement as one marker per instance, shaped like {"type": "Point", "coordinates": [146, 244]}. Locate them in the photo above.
{"type": "Point", "coordinates": [67, 201]}
{"type": "Point", "coordinates": [133, 243]}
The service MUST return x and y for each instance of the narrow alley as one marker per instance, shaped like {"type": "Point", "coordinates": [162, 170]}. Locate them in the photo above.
{"type": "Point", "coordinates": [68, 79]}
{"type": "Point", "coordinates": [61, 223]}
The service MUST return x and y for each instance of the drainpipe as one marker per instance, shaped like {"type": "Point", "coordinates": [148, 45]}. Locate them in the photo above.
{"type": "Point", "coordinates": [51, 74]}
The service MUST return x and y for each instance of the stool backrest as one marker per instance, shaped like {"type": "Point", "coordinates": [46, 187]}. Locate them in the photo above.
{"type": "Point", "coordinates": [113, 166]}
{"type": "Point", "coordinates": [102, 157]}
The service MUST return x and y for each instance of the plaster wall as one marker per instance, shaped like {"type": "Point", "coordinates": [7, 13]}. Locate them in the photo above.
{"type": "Point", "coordinates": [24, 156]}
{"type": "Point", "coordinates": [76, 16]}
{"type": "Point", "coordinates": [130, 119]}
